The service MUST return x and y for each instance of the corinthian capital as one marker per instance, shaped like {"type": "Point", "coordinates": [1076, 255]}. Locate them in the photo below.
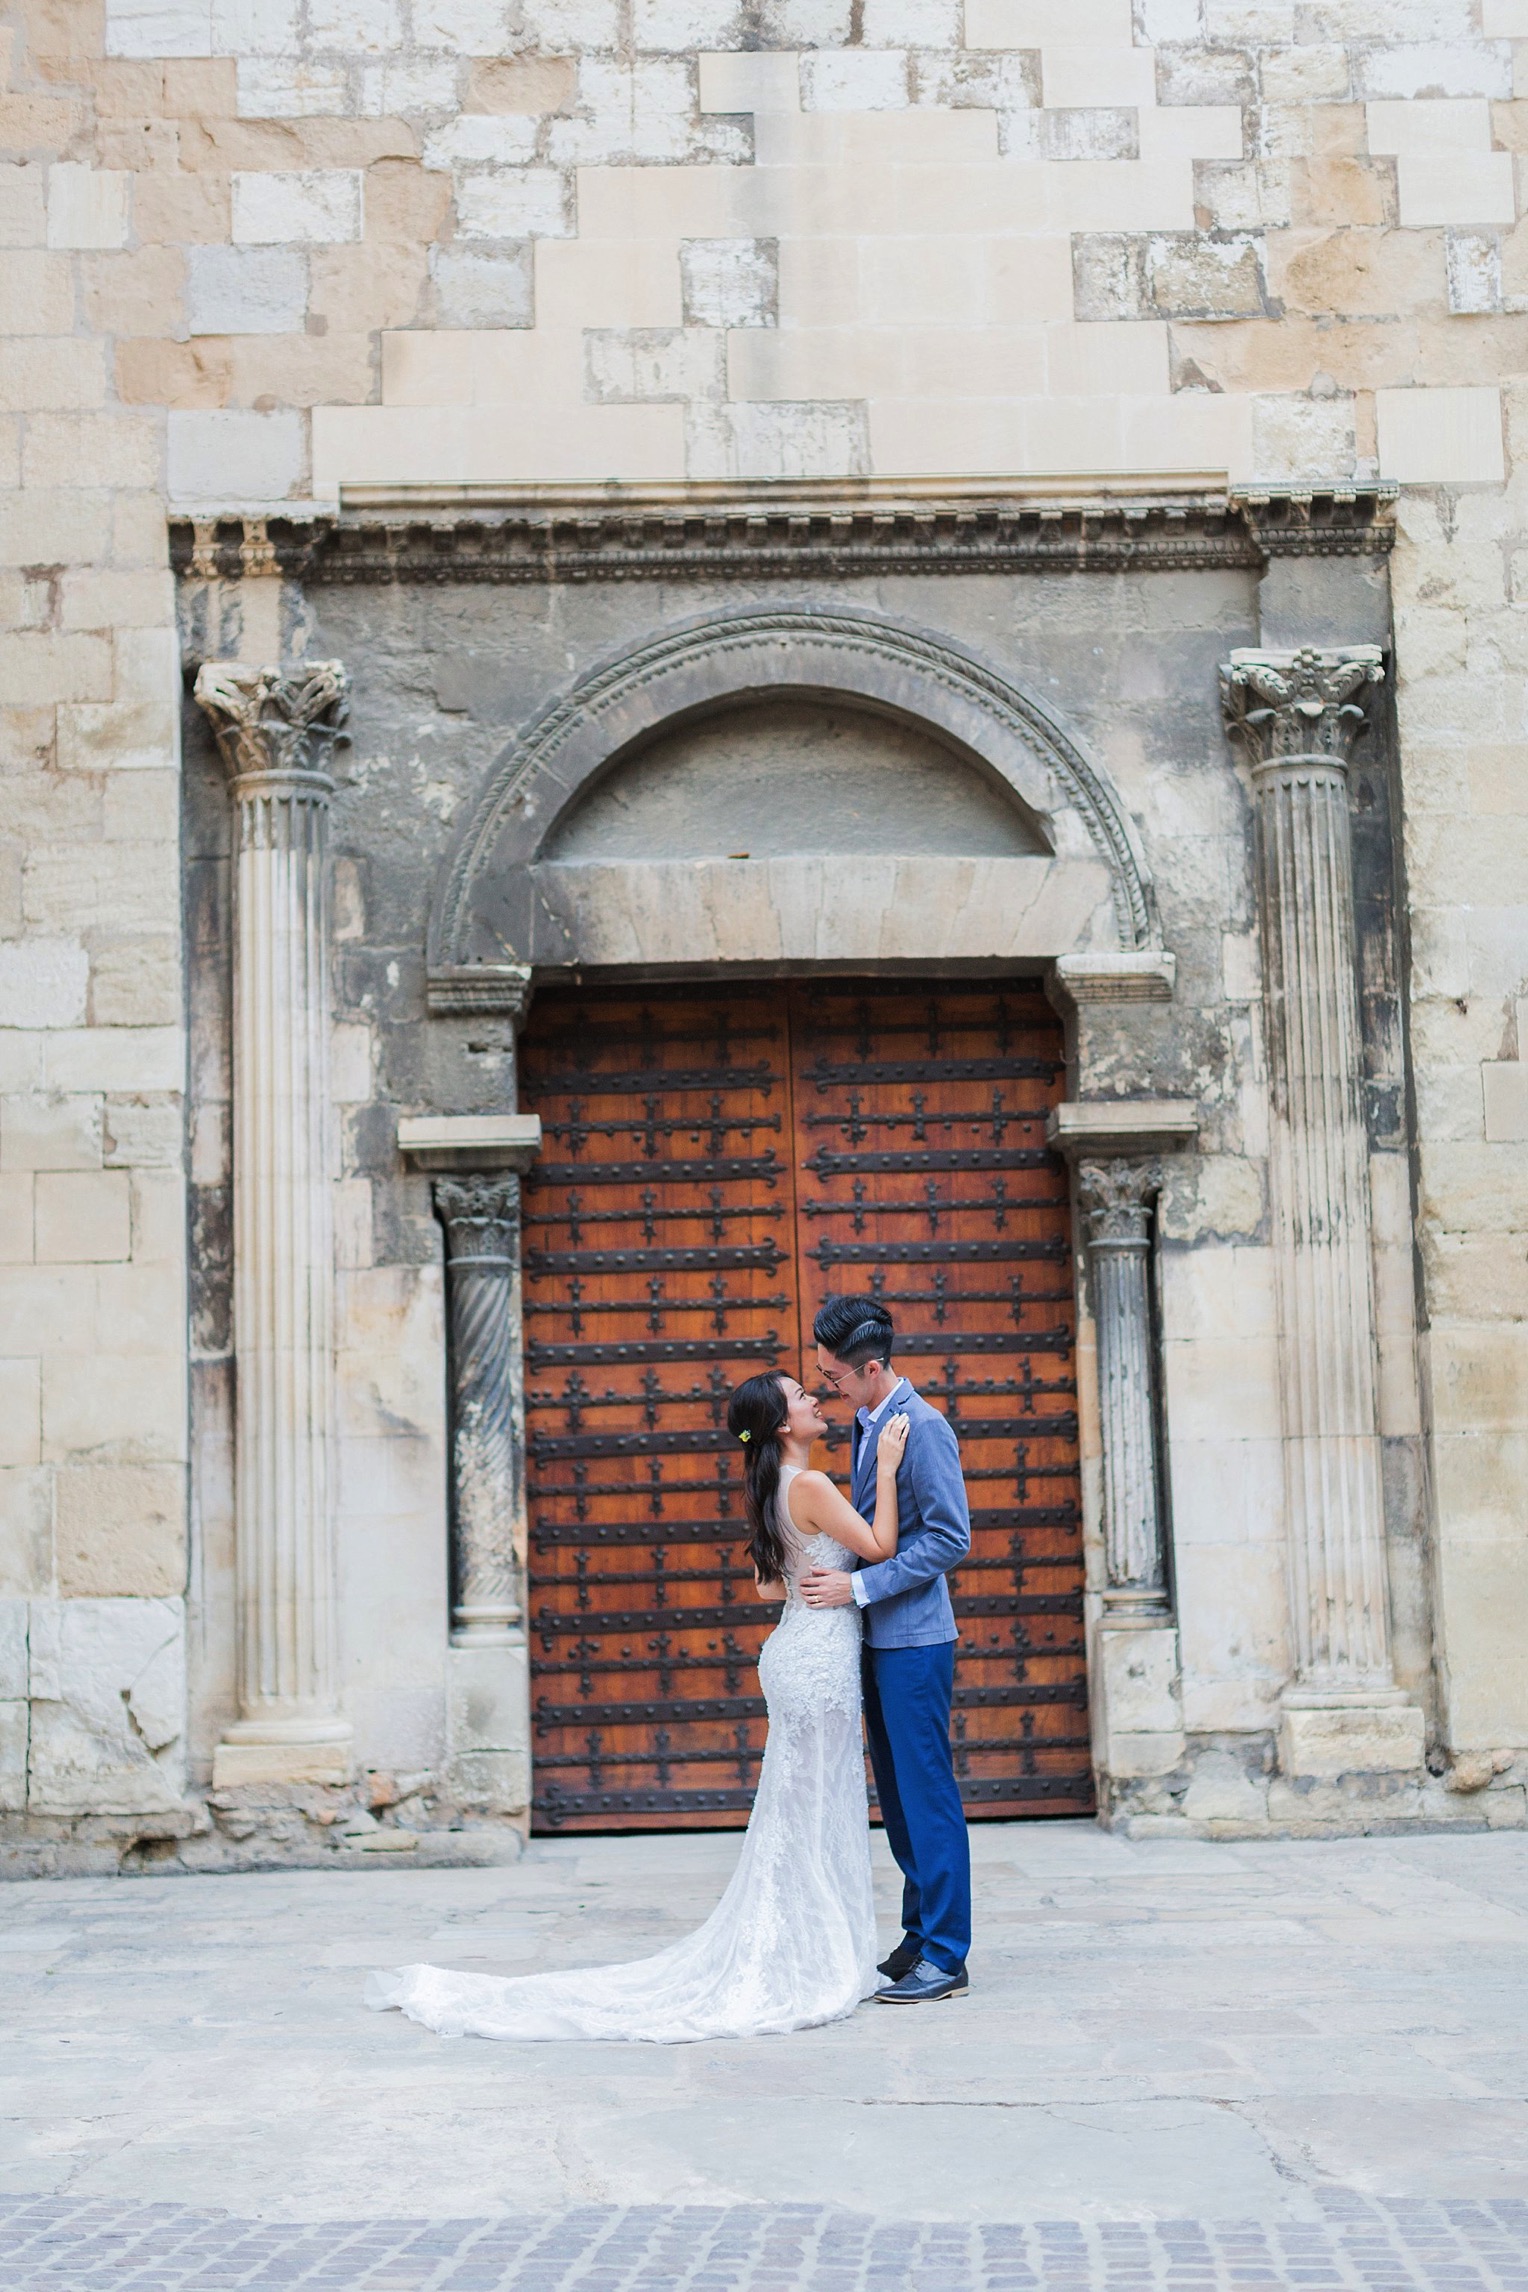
{"type": "Point", "coordinates": [1116, 1197]}
{"type": "Point", "coordinates": [1301, 705]}
{"type": "Point", "coordinates": [481, 1216]}
{"type": "Point", "coordinates": [274, 723]}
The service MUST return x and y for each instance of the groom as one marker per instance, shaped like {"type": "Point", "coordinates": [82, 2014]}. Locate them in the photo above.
{"type": "Point", "coordinates": [909, 1652]}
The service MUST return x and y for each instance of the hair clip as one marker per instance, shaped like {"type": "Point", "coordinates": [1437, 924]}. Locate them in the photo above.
{"type": "Point", "coordinates": [745, 1436]}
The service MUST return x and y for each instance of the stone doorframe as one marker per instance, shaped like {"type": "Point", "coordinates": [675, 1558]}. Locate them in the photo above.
{"type": "Point", "coordinates": [1114, 1141]}
{"type": "Point", "coordinates": [1294, 714]}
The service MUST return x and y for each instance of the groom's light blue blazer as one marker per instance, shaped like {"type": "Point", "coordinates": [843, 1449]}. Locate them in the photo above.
{"type": "Point", "coordinates": [906, 1599]}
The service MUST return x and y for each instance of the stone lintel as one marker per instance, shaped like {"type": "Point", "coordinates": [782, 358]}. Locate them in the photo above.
{"type": "Point", "coordinates": [1145, 975]}
{"type": "Point", "coordinates": [1096, 1127]}
{"type": "Point", "coordinates": [470, 1141]}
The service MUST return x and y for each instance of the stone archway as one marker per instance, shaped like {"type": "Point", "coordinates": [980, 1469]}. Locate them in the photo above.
{"type": "Point", "coordinates": [1085, 886]}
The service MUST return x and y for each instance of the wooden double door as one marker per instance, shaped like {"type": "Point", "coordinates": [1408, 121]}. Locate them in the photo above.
{"type": "Point", "coordinates": [715, 1161]}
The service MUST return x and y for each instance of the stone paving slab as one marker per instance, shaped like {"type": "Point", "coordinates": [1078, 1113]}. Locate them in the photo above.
{"type": "Point", "coordinates": [53, 2245]}
{"type": "Point", "coordinates": [1159, 2034]}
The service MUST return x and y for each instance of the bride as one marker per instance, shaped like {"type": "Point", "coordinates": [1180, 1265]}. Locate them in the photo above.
{"type": "Point", "coordinates": [792, 1941]}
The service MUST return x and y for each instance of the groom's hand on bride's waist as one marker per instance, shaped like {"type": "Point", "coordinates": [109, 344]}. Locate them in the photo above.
{"type": "Point", "coordinates": [827, 1588]}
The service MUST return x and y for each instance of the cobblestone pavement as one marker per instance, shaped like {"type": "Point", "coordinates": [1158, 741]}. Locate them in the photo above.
{"type": "Point", "coordinates": [48, 2246]}
{"type": "Point", "coordinates": [1186, 2066]}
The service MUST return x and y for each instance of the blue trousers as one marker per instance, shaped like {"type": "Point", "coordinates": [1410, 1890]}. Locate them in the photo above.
{"type": "Point", "coordinates": [907, 1721]}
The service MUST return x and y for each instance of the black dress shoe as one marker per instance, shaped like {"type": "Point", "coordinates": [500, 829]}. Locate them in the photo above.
{"type": "Point", "coordinates": [923, 1984]}
{"type": "Point", "coordinates": [902, 1960]}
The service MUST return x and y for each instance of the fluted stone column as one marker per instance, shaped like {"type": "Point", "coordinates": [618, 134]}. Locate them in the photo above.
{"type": "Point", "coordinates": [481, 1217]}
{"type": "Point", "coordinates": [1116, 1198]}
{"type": "Point", "coordinates": [276, 730]}
{"type": "Point", "coordinates": [1296, 717]}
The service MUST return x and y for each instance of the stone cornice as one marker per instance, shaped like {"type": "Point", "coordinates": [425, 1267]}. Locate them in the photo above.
{"type": "Point", "coordinates": [772, 532]}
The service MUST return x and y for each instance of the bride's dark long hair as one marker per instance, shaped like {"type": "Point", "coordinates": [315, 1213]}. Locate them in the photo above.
{"type": "Point", "coordinates": [756, 1416]}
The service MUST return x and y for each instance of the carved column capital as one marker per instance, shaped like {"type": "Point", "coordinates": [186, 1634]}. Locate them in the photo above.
{"type": "Point", "coordinates": [481, 1215]}
{"type": "Point", "coordinates": [1303, 707]}
{"type": "Point", "coordinates": [1115, 1198]}
{"type": "Point", "coordinates": [276, 725]}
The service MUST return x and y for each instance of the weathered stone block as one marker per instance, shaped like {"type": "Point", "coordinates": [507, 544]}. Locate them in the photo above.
{"type": "Point", "coordinates": [129, 1406]}
{"type": "Point", "coordinates": [1406, 70]}
{"type": "Point", "coordinates": [23, 207]}
{"type": "Point", "coordinates": [88, 206]}
{"type": "Point", "coordinates": [488, 289]}
{"type": "Point", "coordinates": [1083, 132]}
{"type": "Point", "coordinates": [839, 79]}
{"type": "Point", "coordinates": [1207, 277]}
{"type": "Point", "coordinates": [1504, 1085]}
{"type": "Point", "coordinates": [225, 456]}
{"type": "Point", "coordinates": [1371, 1739]}
{"type": "Point", "coordinates": [1242, 195]}
{"type": "Point", "coordinates": [466, 27]}
{"type": "Point", "coordinates": [82, 1216]}
{"type": "Point", "coordinates": [637, 366]}
{"type": "Point", "coordinates": [497, 1781]}
{"type": "Point", "coordinates": [516, 203]}
{"type": "Point", "coordinates": [54, 1131]}
{"type": "Point", "coordinates": [1137, 1680]}
{"type": "Point", "coordinates": [273, 87]}
{"type": "Point", "coordinates": [16, 1191]}
{"type": "Point", "coordinates": [26, 1529]}
{"type": "Point", "coordinates": [306, 207]}
{"type": "Point", "coordinates": [1195, 74]}
{"type": "Point", "coordinates": [815, 438]}
{"type": "Point", "coordinates": [1221, 1790]}
{"type": "Point", "coordinates": [43, 983]}
{"type": "Point", "coordinates": [245, 290]}
{"type": "Point", "coordinates": [36, 372]}
{"type": "Point", "coordinates": [395, 90]}
{"type": "Point", "coordinates": [236, 1765]}
{"type": "Point", "coordinates": [488, 1700]}
{"type": "Point", "coordinates": [13, 1650]}
{"type": "Point", "coordinates": [1295, 438]}
{"type": "Point", "coordinates": [20, 1412]}
{"type": "Point", "coordinates": [107, 1686]}
{"type": "Point", "coordinates": [730, 282]}
{"type": "Point", "coordinates": [120, 1531]}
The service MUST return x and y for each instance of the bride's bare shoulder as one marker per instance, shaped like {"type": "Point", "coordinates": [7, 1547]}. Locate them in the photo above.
{"type": "Point", "coordinates": [806, 1495]}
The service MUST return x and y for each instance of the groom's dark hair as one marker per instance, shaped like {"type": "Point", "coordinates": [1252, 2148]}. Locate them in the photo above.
{"type": "Point", "coordinates": [854, 1330]}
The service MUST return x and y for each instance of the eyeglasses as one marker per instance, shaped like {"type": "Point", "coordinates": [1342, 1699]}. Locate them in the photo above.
{"type": "Point", "coordinates": [835, 1377]}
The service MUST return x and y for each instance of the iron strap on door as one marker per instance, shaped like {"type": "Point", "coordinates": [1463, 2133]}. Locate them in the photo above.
{"type": "Point", "coordinates": [715, 1162]}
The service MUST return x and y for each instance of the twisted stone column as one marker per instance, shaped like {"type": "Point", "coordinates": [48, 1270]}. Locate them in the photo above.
{"type": "Point", "coordinates": [1116, 1198]}
{"type": "Point", "coordinates": [276, 730]}
{"type": "Point", "coordinates": [1296, 717]}
{"type": "Point", "coordinates": [481, 1217]}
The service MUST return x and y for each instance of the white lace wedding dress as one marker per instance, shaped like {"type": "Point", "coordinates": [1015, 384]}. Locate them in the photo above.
{"type": "Point", "coordinates": [792, 1941]}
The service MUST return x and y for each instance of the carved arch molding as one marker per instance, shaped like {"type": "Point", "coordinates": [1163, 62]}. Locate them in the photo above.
{"type": "Point", "coordinates": [497, 904]}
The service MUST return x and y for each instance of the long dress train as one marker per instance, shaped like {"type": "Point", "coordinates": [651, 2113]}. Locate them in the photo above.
{"type": "Point", "coordinates": [792, 1941]}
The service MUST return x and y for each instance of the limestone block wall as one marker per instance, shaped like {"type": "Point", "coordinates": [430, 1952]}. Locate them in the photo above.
{"type": "Point", "coordinates": [268, 254]}
{"type": "Point", "coordinates": [93, 1553]}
